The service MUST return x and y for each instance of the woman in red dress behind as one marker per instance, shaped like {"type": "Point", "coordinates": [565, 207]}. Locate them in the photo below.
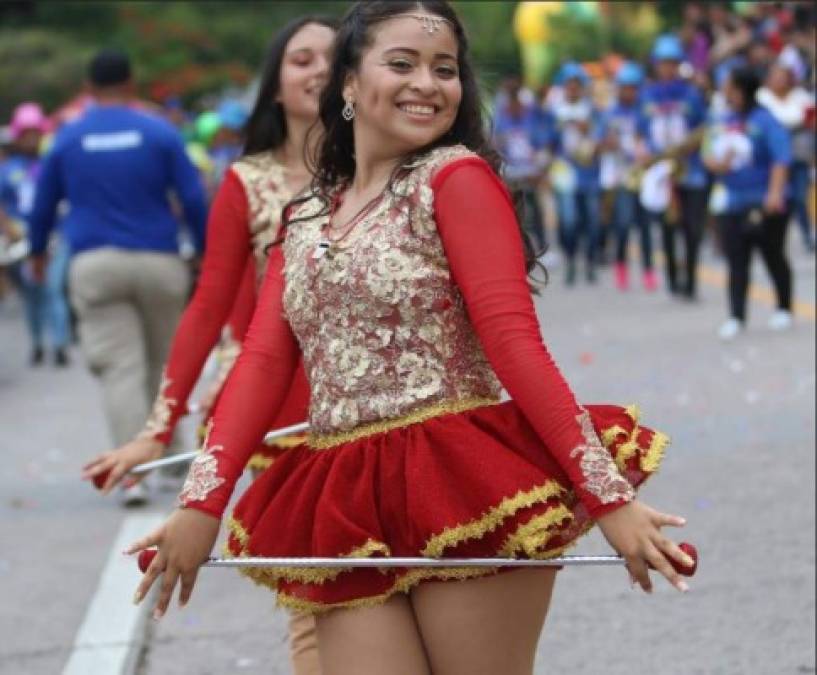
{"type": "Point", "coordinates": [402, 284]}
{"type": "Point", "coordinates": [244, 219]}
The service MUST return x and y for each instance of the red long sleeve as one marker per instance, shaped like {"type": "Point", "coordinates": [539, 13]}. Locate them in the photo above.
{"type": "Point", "coordinates": [479, 231]}
{"type": "Point", "coordinates": [227, 254]}
{"type": "Point", "coordinates": [254, 393]}
{"type": "Point", "coordinates": [244, 303]}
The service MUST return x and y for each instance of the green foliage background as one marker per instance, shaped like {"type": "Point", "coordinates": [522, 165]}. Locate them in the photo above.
{"type": "Point", "coordinates": [194, 48]}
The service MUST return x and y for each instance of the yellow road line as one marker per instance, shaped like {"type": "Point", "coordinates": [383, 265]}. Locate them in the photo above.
{"type": "Point", "coordinates": [713, 277]}
{"type": "Point", "coordinates": [717, 278]}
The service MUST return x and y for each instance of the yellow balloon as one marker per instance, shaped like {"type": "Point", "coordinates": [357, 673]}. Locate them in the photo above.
{"type": "Point", "coordinates": [530, 20]}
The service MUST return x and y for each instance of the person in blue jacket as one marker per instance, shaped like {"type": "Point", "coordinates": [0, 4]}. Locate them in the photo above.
{"type": "Point", "coordinates": [749, 152]}
{"type": "Point", "coordinates": [575, 172]}
{"type": "Point", "coordinates": [115, 169]}
{"type": "Point", "coordinates": [622, 149]}
{"type": "Point", "coordinates": [674, 108]}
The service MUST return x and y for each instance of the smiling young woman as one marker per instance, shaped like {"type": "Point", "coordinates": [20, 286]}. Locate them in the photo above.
{"type": "Point", "coordinates": [402, 283]}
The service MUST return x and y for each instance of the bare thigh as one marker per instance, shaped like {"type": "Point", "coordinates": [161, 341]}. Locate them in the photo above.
{"type": "Point", "coordinates": [483, 626]}
{"type": "Point", "coordinates": [372, 640]}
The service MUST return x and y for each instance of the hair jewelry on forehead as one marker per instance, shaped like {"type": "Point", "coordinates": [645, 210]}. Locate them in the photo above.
{"type": "Point", "coordinates": [431, 23]}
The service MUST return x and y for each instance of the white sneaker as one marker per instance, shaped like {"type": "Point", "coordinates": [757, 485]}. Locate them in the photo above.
{"type": "Point", "coordinates": [136, 495]}
{"type": "Point", "coordinates": [730, 329]}
{"type": "Point", "coordinates": [781, 320]}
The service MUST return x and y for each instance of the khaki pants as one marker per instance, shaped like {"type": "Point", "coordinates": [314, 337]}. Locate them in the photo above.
{"type": "Point", "coordinates": [303, 644]}
{"type": "Point", "coordinates": [128, 304]}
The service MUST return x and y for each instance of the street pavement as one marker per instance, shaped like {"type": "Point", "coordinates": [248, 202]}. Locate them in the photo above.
{"type": "Point", "coordinates": [741, 469]}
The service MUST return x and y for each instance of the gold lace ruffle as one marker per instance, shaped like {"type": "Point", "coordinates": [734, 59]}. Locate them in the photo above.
{"type": "Point", "coordinates": [490, 520]}
{"type": "Point", "coordinates": [415, 417]}
{"type": "Point", "coordinates": [270, 576]}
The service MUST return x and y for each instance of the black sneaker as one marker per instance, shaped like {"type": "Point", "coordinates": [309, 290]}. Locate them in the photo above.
{"type": "Point", "coordinates": [37, 356]}
{"type": "Point", "coordinates": [61, 359]}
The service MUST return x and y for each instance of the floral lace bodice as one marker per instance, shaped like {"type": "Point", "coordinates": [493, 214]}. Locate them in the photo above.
{"type": "Point", "coordinates": [267, 194]}
{"type": "Point", "coordinates": [382, 328]}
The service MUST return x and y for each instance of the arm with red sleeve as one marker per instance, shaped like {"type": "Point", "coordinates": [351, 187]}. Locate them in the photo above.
{"type": "Point", "coordinates": [254, 393]}
{"type": "Point", "coordinates": [484, 250]}
{"type": "Point", "coordinates": [225, 261]}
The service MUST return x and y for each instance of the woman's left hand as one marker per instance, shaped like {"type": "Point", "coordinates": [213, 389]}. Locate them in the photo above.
{"type": "Point", "coordinates": [184, 543]}
{"type": "Point", "coordinates": [634, 530]}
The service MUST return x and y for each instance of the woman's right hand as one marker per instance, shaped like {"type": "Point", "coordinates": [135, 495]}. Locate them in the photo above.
{"type": "Point", "coordinates": [117, 463]}
{"type": "Point", "coordinates": [634, 530]}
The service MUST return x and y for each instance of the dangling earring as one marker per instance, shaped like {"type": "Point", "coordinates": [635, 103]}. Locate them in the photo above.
{"type": "Point", "coordinates": [348, 112]}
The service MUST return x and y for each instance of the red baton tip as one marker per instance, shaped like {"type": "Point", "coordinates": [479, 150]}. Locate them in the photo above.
{"type": "Point", "coordinates": [692, 552]}
{"type": "Point", "coordinates": [100, 478]}
{"type": "Point", "coordinates": [146, 557]}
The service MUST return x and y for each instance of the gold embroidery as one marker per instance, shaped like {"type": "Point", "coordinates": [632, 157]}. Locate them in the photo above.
{"type": "Point", "coordinates": [202, 478]}
{"type": "Point", "coordinates": [159, 420]}
{"type": "Point", "coordinates": [313, 575]}
{"type": "Point", "coordinates": [414, 417]}
{"type": "Point", "coordinates": [533, 535]}
{"type": "Point", "coordinates": [264, 181]}
{"type": "Point", "coordinates": [602, 477]}
{"type": "Point", "coordinates": [382, 328]}
{"type": "Point", "coordinates": [655, 453]}
{"type": "Point", "coordinates": [489, 521]}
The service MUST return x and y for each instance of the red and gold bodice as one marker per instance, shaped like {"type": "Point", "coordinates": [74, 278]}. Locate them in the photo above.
{"type": "Point", "coordinates": [267, 193]}
{"type": "Point", "coordinates": [382, 327]}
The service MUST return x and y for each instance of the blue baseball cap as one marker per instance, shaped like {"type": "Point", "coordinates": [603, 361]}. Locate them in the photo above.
{"type": "Point", "coordinates": [629, 74]}
{"type": "Point", "coordinates": [571, 71]}
{"type": "Point", "coordinates": [668, 47]}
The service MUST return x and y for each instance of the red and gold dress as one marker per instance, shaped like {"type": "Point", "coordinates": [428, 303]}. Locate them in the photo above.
{"type": "Point", "coordinates": [407, 327]}
{"type": "Point", "coordinates": [244, 220]}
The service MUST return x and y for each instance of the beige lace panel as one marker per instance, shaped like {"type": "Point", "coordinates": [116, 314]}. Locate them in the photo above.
{"type": "Point", "coordinates": [202, 478]}
{"type": "Point", "coordinates": [267, 193]}
{"type": "Point", "coordinates": [602, 478]}
{"type": "Point", "coordinates": [158, 421]}
{"type": "Point", "coordinates": [382, 328]}
{"type": "Point", "coordinates": [226, 355]}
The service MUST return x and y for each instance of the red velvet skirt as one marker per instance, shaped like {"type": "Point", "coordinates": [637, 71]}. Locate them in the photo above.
{"type": "Point", "coordinates": [477, 483]}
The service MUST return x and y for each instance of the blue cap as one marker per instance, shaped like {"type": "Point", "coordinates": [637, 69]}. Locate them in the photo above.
{"type": "Point", "coordinates": [571, 71]}
{"type": "Point", "coordinates": [232, 115]}
{"type": "Point", "coordinates": [668, 47]}
{"type": "Point", "coordinates": [629, 74]}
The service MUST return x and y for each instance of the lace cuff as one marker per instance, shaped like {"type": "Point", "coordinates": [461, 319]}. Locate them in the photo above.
{"type": "Point", "coordinates": [158, 424]}
{"type": "Point", "coordinates": [202, 478]}
{"type": "Point", "coordinates": [602, 477]}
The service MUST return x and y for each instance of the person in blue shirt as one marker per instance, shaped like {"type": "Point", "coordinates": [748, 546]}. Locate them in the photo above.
{"type": "Point", "coordinates": [622, 149]}
{"type": "Point", "coordinates": [674, 109]}
{"type": "Point", "coordinates": [46, 307]}
{"type": "Point", "coordinates": [575, 172]}
{"type": "Point", "coordinates": [749, 152]}
{"type": "Point", "coordinates": [521, 135]}
{"type": "Point", "coordinates": [115, 170]}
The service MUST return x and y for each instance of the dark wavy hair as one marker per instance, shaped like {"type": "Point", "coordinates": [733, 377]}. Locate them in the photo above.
{"type": "Point", "coordinates": [335, 160]}
{"type": "Point", "coordinates": [267, 125]}
{"type": "Point", "coordinates": [747, 81]}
